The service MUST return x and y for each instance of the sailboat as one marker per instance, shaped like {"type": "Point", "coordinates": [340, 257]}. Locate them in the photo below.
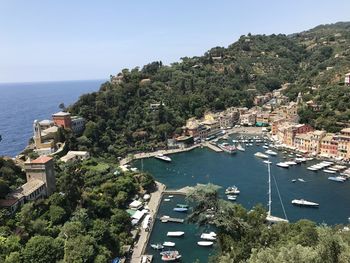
{"type": "Point", "coordinates": [270, 218]}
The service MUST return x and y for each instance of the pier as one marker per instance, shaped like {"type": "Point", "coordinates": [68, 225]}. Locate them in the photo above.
{"type": "Point", "coordinates": [212, 147]}
{"type": "Point", "coordinates": [166, 219]}
{"type": "Point", "coordinates": [140, 246]}
{"type": "Point", "coordinates": [137, 156]}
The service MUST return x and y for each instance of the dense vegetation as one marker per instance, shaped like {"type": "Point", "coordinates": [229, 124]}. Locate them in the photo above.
{"type": "Point", "coordinates": [11, 176]}
{"type": "Point", "coordinates": [121, 120]}
{"type": "Point", "coordinates": [84, 221]}
{"type": "Point", "coordinates": [245, 237]}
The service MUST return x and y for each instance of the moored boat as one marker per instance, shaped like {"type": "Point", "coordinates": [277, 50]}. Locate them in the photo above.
{"type": "Point", "coordinates": [329, 171]}
{"type": "Point", "coordinates": [290, 162]}
{"type": "Point", "coordinates": [261, 155]}
{"type": "Point", "coordinates": [170, 255]}
{"type": "Point", "coordinates": [267, 162]}
{"type": "Point", "coordinates": [163, 157]}
{"type": "Point", "coordinates": [208, 236]}
{"type": "Point", "coordinates": [240, 148]}
{"type": "Point", "coordinates": [232, 197]}
{"type": "Point", "coordinates": [337, 179]}
{"type": "Point", "coordinates": [182, 205]}
{"type": "Point", "coordinates": [282, 164]}
{"type": "Point", "coordinates": [232, 190]}
{"type": "Point", "coordinates": [180, 209]}
{"type": "Point", "coordinates": [168, 244]}
{"type": "Point", "coordinates": [301, 180]}
{"type": "Point", "coordinates": [270, 152]}
{"type": "Point", "coordinates": [302, 202]}
{"type": "Point", "coordinates": [205, 243]}
{"type": "Point", "coordinates": [175, 233]}
{"type": "Point", "coordinates": [231, 149]}
{"type": "Point", "coordinates": [157, 246]}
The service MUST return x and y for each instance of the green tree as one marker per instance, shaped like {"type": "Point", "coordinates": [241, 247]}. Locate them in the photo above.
{"type": "Point", "coordinates": [43, 249]}
{"type": "Point", "coordinates": [84, 253]}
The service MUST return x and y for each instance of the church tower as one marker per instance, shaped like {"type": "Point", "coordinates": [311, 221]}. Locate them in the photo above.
{"type": "Point", "coordinates": [37, 134]}
{"type": "Point", "coordinates": [299, 99]}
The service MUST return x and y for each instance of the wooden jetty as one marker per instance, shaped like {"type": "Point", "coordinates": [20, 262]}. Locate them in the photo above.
{"type": "Point", "coordinates": [166, 219]}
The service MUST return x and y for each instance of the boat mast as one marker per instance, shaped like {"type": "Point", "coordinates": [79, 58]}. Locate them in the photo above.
{"type": "Point", "coordinates": [268, 169]}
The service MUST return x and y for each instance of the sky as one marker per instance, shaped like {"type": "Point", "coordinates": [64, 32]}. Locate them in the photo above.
{"type": "Point", "coordinates": [84, 39]}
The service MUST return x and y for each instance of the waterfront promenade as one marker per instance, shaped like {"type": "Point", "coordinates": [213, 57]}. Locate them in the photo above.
{"type": "Point", "coordinates": [242, 130]}
{"type": "Point", "coordinates": [137, 156]}
{"type": "Point", "coordinates": [144, 235]}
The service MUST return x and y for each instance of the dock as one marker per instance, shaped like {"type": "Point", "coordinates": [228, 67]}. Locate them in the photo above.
{"type": "Point", "coordinates": [212, 147]}
{"type": "Point", "coordinates": [166, 219]}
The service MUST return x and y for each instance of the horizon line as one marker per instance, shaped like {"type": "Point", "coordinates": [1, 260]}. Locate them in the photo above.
{"type": "Point", "coordinates": [48, 81]}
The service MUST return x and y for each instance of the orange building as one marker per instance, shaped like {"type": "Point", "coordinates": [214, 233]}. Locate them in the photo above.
{"type": "Point", "coordinates": [62, 119]}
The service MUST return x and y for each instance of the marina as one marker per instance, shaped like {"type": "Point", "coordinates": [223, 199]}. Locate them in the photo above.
{"type": "Point", "coordinates": [247, 173]}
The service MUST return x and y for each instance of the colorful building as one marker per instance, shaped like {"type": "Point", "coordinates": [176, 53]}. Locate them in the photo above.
{"type": "Point", "coordinates": [62, 119]}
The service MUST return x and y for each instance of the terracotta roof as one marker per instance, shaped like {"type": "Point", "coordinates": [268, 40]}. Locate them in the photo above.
{"type": "Point", "coordinates": [42, 159]}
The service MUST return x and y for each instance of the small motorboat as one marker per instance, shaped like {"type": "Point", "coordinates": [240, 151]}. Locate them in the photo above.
{"type": "Point", "coordinates": [232, 197]}
{"type": "Point", "coordinates": [301, 180]}
{"type": "Point", "coordinates": [208, 236]}
{"type": "Point", "coordinates": [163, 157]}
{"type": "Point", "coordinates": [166, 199]}
{"type": "Point", "coordinates": [205, 243]}
{"type": "Point", "coordinates": [175, 234]}
{"type": "Point", "coordinates": [270, 152]}
{"type": "Point", "coordinates": [282, 164]}
{"type": "Point", "coordinates": [168, 244]}
{"type": "Point", "coordinates": [294, 180]}
{"type": "Point", "coordinates": [182, 205]}
{"type": "Point", "coordinates": [302, 202]}
{"type": "Point", "coordinates": [170, 196]}
{"type": "Point", "coordinates": [170, 255]}
{"type": "Point", "coordinates": [329, 171]}
{"type": "Point", "coordinates": [180, 209]}
{"type": "Point", "coordinates": [157, 246]}
{"type": "Point", "coordinates": [339, 179]}
{"type": "Point", "coordinates": [267, 162]}
{"type": "Point", "coordinates": [261, 155]}
{"type": "Point", "coordinates": [290, 162]}
{"type": "Point", "coordinates": [265, 146]}
{"type": "Point", "coordinates": [232, 190]}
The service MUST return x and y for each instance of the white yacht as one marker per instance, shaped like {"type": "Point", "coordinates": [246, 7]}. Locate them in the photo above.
{"type": "Point", "coordinates": [232, 190]}
{"type": "Point", "coordinates": [329, 171]}
{"type": "Point", "coordinates": [232, 197]}
{"type": "Point", "coordinates": [208, 236]}
{"type": "Point", "coordinates": [169, 244]}
{"type": "Point", "coordinates": [270, 218]}
{"type": "Point", "coordinates": [270, 152]}
{"type": "Point", "coordinates": [282, 164]}
{"type": "Point", "coordinates": [240, 148]}
{"type": "Point", "coordinates": [303, 202]}
{"type": "Point", "coordinates": [163, 157]}
{"type": "Point", "coordinates": [261, 155]}
{"type": "Point", "coordinates": [205, 243]}
{"type": "Point", "coordinates": [290, 162]}
{"type": "Point", "coordinates": [175, 234]}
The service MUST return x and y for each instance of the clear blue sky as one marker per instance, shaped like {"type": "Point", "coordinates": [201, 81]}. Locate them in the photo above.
{"type": "Point", "coordinates": [64, 40]}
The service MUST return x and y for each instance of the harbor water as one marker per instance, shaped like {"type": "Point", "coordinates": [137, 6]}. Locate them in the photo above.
{"type": "Point", "coordinates": [250, 175]}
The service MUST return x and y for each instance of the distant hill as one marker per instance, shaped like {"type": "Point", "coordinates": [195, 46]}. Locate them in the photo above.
{"type": "Point", "coordinates": [138, 108]}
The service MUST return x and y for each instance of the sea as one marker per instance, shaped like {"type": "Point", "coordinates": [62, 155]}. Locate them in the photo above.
{"type": "Point", "coordinates": [22, 103]}
{"type": "Point", "coordinates": [250, 175]}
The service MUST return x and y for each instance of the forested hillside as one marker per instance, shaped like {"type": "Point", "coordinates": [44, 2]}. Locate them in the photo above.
{"type": "Point", "coordinates": [120, 116]}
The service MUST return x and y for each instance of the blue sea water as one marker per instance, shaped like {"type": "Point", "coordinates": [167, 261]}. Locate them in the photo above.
{"type": "Point", "coordinates": [250, 174]}
{"type": "Point", "coordinates": [22, 103]}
